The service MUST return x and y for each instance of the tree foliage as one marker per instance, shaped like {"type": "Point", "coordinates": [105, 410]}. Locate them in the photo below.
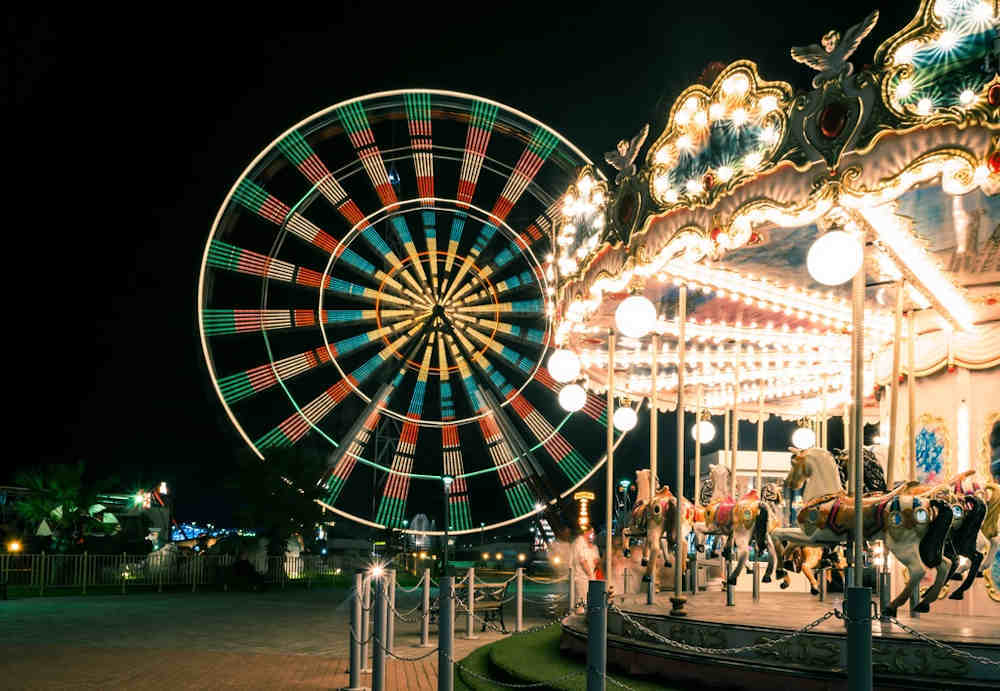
{"type": "Point", "coordinates": [62, 496]}
{"type": "Point", "coordinates": [277, 497]}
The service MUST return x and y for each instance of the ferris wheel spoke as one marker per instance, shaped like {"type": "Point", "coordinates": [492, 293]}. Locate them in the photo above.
{"type": "Point", "coordinates": [451, 448]}
{"type": "Point", "coordinates": [296, 426]}
{"type": "Point", "coordinates": [418, 120]}
{"type": "Point", "coordinates": [532, 307]}
{"type": "Point", "coordinates": [511, 473]}
{"type": "Point", "coordinates": [429, 221]}
{"type": "Point", "coordinates": [392, 507]}
{"type": "Point", "coordinates": [522, 280]}
{"type": "Point", "coordinates": [477, 139]}
{"type": "Point", "coordinates": [511, 332]}
{"type": "Point", "coordinates": [239, 385]}
{"type": "Point", "coordinates": [494, 266]}
{"type": "Point", "coordinates": [541, 144]}
{"type": "Point", "coordinates": [515, 359]}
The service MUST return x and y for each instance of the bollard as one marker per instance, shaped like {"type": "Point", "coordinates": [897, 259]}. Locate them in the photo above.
{"type": "Point", "coordinates": [651, 589]}
{"type": "Point", "coordinates": [356, 606]}
{"type": "Point", "coordinates": [366, 617]}
{"type": "Point", "coordinates": [597, 635]}
{"type": "Point", "coordinates": [519, 611]}
{"type": "Point", "coordinates": [425, 617]}
{"type": "Point", "coordinates": [756, 580]}
{"type": "Point", "coordinates": [626, 582]}
{"type": "Point", "coordinates": [379, 635]}
{"type": "Point", "coordinates": [857, 606]}
{"type": "Point", "coordinates": [915, 600]}
{"type": "Point", "coordinates": [390, 621]}
{"type": "Point", "coordinates": [822, 584]}
{"type": "Point", "coordinates": [572, 590]}
{"type": "Point", "coordinates": [730, 588]}
{"type": "Point", "coordinates": [470, 616]}
{"type": "Point", "coordinates": [446, 634]}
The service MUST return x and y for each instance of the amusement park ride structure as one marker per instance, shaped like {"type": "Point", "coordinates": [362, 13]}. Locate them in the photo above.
{"type": "Point", "coordinates": [773, 252]}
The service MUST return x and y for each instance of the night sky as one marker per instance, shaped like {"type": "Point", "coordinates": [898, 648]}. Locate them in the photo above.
{"type": "Point", "coordinates": [129, 129]}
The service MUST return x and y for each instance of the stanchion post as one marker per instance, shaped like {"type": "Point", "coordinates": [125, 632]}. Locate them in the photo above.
{"type": "Point", "coordinates": [519, 616]}
{"type": "Point", "coordinates": [470, 615]}
{"type": "Point", "coordinates": [730, 588]}
{"type": "Point", "coordinates": [354, 680]}
{"type": "Point", "coordinates": [857, 607]}
{"type": "Point", "coordinates": [390, 621]}
{"type": "Point", "coordinates": [379, 635]}
{"type": "Point", "coordinates": [366, 617]}
{"type": "Point", "coordinates": [425, 617]}
{"type": "Point", "coordinates": [914, 600]}
{"type": "Point", "coordinates": [822, 584]}
{"type": "Point", "coordinates": [626, 582]}
{"type": "Point", "coordinates": [446, 634]}
{"type": "Point", "coordinates": [597, 636]}
{"type": "Point", "coordinates": [756, 577]}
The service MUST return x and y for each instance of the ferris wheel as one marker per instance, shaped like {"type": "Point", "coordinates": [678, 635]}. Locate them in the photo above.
{"type": "Point", "coordinates": [379, 280]}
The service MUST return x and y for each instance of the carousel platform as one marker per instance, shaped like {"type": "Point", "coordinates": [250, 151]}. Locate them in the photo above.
{"type": "Point", "coordinates": [815, 660]}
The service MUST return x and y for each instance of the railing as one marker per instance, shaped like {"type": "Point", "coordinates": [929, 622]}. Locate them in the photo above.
{"type": "Point", "coordinates": [41, 572]}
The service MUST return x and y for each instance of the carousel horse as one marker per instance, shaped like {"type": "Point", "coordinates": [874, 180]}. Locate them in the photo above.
{"type": "Point", "coordinates": [654, 518]}
{"type": "Point", "coordinates": [914, 527]}
{"type": "Point", "coordinates": [971, 483]}
{"type": "Point", "coordinates": [806, 559]}
{"type": "Point", "coordinates": [771, 496]}
{"type": "Point", "coordinates": [740, 521]}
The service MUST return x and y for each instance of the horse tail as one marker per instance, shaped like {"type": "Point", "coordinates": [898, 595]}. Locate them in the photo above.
{"type": "Point", "coordinates": [990, 523]}
{"type": "Point", "coordinates": [932, 543]}
{"type": "Point", "coordinates": [760, 527]}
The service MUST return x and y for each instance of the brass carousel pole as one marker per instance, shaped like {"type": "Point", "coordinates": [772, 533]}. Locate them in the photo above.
{"type": "Point", "coordinates": [824, 422]}
{"type": "Point", "coordinates": [759, 484]}
{"type": "Point", "coordinates": [697, 446]}
{"type": "Point", "coordinates": [911, 396]}
{"type": "Point", "coordinates": [734, 441]}
{"type": "Point", "coordinates": [678, 599]}
{"type": "Point", "coordinates": [609, 479]}
{"type": "Point", "coordinates": [653, 474]}
{"type": "Point", "coordinates": [894, 391]}
{"type": "Point", "coordinates": [858, 601]}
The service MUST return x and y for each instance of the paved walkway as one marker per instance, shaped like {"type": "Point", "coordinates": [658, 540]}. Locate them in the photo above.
{"type": "Point", "coordinates": [278, 639]}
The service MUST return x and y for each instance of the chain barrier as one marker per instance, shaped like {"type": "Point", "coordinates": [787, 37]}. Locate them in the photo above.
{"type": "Point", "coordinates": [401, 658]}
{"type": "Point", "coordinates": [724, 651]}
{"type": "Point", "coordinates": [404, 617]}
{"type": "Point", "coordinates": [943, 646]}
{"type": "Point", "coordinates": [354, 637]}
{"type": "Point", "coordinates": [546, 580]}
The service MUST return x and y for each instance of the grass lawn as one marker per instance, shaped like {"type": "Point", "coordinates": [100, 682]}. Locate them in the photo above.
{"type": "Point", "coordinates": [532, 658]}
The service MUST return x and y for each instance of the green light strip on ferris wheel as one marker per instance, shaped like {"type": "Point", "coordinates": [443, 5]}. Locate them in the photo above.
{"type": "Point", "coordinates": [365, 461]}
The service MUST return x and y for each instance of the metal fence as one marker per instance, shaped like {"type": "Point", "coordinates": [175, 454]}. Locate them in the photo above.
{"type": "Point", "coordinates": [44, 572]}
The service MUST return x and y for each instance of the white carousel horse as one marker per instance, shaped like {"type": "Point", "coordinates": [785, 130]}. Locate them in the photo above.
{"type": "Point", "coordinates": [914, 527]}
{"type": "Point", "coordinates": [740, 521]}
{"type": "Point", "coordinates": [654, 517]}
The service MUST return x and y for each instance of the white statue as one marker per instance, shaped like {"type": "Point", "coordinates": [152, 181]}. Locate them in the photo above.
{"type": "Point", "coordinates": [623, 158]}
{"type": "Point", "coordinates": [829, 58]}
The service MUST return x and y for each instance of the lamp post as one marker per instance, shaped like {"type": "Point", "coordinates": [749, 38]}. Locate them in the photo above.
{"type": "Point", "coordinates": [446, 480]}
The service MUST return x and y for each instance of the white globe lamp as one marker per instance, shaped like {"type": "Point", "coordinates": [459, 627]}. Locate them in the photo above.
{"type": "Point", "coordinates": [706, 429]}
{"type": "Point", "coordinates": [635, 316]}
{"type": "Point", "coordinates": [834, 258]}
{"type": "Point", "coordinates": [625, 419]}
{"type": "Point", "coordinates": [803, 438]}
{"type": "Point", "coordinates": [572, 397]}
{"type": "Point", "coordinates": [564, 365]}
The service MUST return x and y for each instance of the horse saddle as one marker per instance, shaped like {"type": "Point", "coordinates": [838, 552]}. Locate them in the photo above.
{"type": "Point", "coordinates": [835, 512]}
{"type": "Point", "coordinates": [721, 513]}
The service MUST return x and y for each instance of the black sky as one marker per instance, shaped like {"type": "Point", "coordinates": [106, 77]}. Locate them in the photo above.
{"type": "Point", "coordinates": [128, 128]}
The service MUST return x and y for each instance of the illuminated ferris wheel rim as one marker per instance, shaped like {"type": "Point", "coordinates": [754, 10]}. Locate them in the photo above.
{"type": "Point", "coordinates": [527, 317]}
{"type": "Point", "coordinates": [266, 152]}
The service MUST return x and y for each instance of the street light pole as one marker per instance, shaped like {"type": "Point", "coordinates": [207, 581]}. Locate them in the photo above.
{"type": "Point", "coordinates": [446, 480]}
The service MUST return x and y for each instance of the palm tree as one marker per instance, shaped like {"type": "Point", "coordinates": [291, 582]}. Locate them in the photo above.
{"type": "Point", "coordinates": [62, 497]}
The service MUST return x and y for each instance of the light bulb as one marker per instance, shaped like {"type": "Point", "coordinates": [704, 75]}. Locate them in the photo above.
{"type": "Point", "coordinates": [635, 316]}
{"type": "Point", "coordinates": [803, 438]}
{"type": "Point", "coordinates": [572, 397]}
{"type": "Point", "coordinates": [625, 419]}
{"type": "Point", "coordinates": [834, 258]}
{"type": "Point", "coordinates": [706, 429]}
{"type": "Point", "coordinates": [564, 365]}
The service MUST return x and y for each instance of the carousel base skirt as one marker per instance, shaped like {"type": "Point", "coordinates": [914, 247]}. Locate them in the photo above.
{"type": "Point", "coordinates": [813, 661]}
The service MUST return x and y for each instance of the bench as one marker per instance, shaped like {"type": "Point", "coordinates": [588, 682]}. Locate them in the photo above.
{"type": "Point", "coordinates": [489, 601]}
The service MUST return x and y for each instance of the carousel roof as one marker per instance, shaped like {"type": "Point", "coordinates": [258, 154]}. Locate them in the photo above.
{"type": "Point", "coordinates": [745, 176]}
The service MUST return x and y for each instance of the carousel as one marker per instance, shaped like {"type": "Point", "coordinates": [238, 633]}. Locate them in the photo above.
{"type": "Point", "coordinates": [777, 255]}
